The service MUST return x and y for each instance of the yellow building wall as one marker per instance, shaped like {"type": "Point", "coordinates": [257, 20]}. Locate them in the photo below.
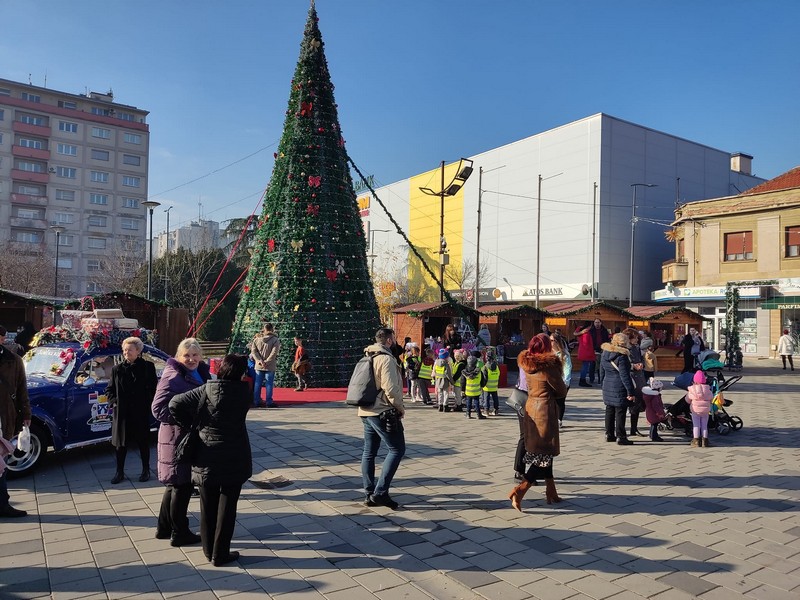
{"type": "Point", "coordinates": [424, 228]}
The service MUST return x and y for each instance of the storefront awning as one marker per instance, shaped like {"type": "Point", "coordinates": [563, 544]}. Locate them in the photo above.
{"type": "Point", "coordinates": [781, 303]}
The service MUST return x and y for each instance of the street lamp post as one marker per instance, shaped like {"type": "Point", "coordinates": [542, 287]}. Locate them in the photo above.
{"type": "Point", "coordinates": [58, 229]}
{"type": "Point", "coordinates": [372, 248]}
{"type": "Point", "coordinates": [633, 237]}
{"type": "Point", "coordinates": [166, 259]}
{"type": "Point", "coordinates": [478, 238]}
{"type": "Point", "coordinates": [539, 229]}
{"type": "Point", "coordinates": [462, 174]}
{"type": "Point", "coordinates": [150, 205]}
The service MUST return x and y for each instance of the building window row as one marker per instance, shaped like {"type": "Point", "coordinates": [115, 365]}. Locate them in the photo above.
{"type": "Point", "coordinates": [739, 244]}
{"type": "Point", "coordinates": [68, 126]}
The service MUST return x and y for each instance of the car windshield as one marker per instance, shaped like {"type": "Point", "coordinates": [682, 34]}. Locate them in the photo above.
{"type": "Point", "coordinates": [49, 362]}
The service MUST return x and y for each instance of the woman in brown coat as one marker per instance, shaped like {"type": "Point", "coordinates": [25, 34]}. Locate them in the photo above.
{"type": "Point", "coordinates": [542, 371]}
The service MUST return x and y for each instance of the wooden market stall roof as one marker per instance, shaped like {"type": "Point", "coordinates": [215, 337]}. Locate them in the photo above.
{"type": "Point", "coordinates": [511, 310]}
{"type": "Point", "coordinates": [424, 308]}
{"type": "Point", "coordinates": [656, 313]}
{"type": "Point", "coordinates": [566, 309]}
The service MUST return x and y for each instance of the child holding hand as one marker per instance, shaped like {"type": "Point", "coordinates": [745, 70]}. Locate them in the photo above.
{"type": "Point", "coordinates": [699, 399]}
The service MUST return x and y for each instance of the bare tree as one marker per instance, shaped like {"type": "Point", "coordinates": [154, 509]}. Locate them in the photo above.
{"type": "Point", "coordinates": [463, 277]}
{"type": "Point", "coordinates": [120, 270]}
{"type": "Point", "coordinates": [27, 268]}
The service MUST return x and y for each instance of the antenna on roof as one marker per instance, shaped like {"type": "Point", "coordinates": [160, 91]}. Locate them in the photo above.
{"type": "Point", "coordinates": [29, 79]}
{"type": "Point", "coordinates": [45, 78]}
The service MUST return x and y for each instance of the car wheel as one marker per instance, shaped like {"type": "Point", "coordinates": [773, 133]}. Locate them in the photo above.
{"type": "Point", "coordinates": [19, 467]}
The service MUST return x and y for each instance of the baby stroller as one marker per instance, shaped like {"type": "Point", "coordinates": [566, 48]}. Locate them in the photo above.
{"type": "Point", "coordinates": [709, 362]}
{"type": "Point", "coordinates": [679, 414]}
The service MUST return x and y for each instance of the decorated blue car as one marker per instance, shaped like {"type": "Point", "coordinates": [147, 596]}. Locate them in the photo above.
{"type": "Point", "coordinates": [66, 387]}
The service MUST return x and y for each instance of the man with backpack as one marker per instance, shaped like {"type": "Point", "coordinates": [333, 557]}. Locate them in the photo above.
{"type": "Point", "coordinates": [383, 422]}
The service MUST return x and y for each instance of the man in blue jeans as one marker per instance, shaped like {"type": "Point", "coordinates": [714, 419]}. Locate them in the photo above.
{"type": "Point", "coordinates": [264, 350]}
{"type": "Point", "coordinates": [383, 422]}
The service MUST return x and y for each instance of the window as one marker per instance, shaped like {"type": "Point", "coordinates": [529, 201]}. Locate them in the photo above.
{"type": "Point", "coordinates": [67, 172]}
{"type": "Point", "coordinates": [28, 213]}
{"type": "Point", "coordinates": [65, 289]}
{"type": "Point", "coordinates": [100, 154]}
{"type": "Point", "coordinates": [96, 221]}
{"type": "Point", "coordinates": [681, 250]}
{"type": "Point", "coordinates": [93, 287]}
{"type": "Point", "coordinates": [97, 243]}
{"type": "Point", "coordinates": [64, 263]}
{"type": "Point", "coordinates": [31, 143]}
{"type": "Point", "coordinates": [5, 92]}
{"type": "Point", "coordinates": [68, 149]}
{"type": "Point", "coordinates": [63, 218]}
{"type": "Point", "coordinates": [93, 264]}
{"type": "Point", "coordinates": [101, 132]}
{"type": "Point", "coordinates": [67, 104]}
{"type": "Point", "coordinates": [130, 203]}
{"type": "Point", "coordinates": [68, 195]}
{"type": "Point", "coordinates": [68, 127]}
{"type": "Point", "coordinates": [131, 224]}
{"type": "Point", "coordinates": [66, 240]}
{"type": "Point", "coordinates": [2, 114]}
{"type": "Point", "coordinates": [793, 241]}
{"type": "Point", "coordinates": [28, 189]}
{"type": "Point", "coordinates": [33, 120]}
{"type": "Point", "coordinates": [1, 135]}
{"type": "Point", "coordinates": [126, 116]}
{"type": "Point", "coordinates": [99, 176]}
{"type": "Point", "coordinates": [133, 138]}
{"type": "Point", "coordinates": [105, 112]}
{"type": "Point", "coordinates": [29, 166]}
{"type": "Point", "coordinates": [131, 159]}
{"type": "Point", "coordinates": [739, 246]}
{"type": "Point", "coordinates": [31, 97]}
{"type": "Point", "coordinates": [98, 198]}
{"type": "Point", "coordinates": [131, 181]}
{"type": "Point", "coordinates": [28, 237]}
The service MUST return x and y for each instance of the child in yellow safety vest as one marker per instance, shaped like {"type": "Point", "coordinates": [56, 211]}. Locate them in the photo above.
{"type": "Point", "coordinates": [424, 374]}
{"type": "Point", "coordinates": [490, 398]}
{"type": "Point", "coordinates": [472, 380]}
{"type": "Point", "coordinates": [444, 378]}
{"type": "Point", "coordinates": [458, 369]}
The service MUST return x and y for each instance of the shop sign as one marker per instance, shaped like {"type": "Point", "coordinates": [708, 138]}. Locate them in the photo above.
{"type": "Point", "coordinates": [639, 323]}
{"type": "Point", "coordinates": [556, 321]}
{"type": "Point", "coordinates": [702, 293]}
{"type": "Point", "coordinates": [484, 294]}
{"type": "Point", "coordinates": [789, 286]}
{"type": "Point", "coordinates": [363, 206]}
{"type": "Point", "coordinates": [359, 185]}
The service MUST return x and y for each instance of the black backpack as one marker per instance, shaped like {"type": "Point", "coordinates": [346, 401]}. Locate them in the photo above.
{"type": "Point", "coordinates": [362, 389]}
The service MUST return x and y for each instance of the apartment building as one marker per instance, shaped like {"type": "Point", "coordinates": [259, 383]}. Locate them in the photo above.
{"type": "Point", "coordinates": [73, 168]}
{"type": "Point", "coordinates": [198, 235]}
{"type": "Point", "coordinates": [751, 240]}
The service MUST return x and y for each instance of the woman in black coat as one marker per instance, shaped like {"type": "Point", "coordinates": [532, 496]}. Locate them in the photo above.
{"type": "Point", "coordinates": [618, 387]}
{"type": "Point", "coordinates": [130, 392]}
{"type": "Point", "coordinates": [223, 462]}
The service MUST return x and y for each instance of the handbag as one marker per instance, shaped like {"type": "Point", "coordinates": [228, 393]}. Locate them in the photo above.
{"type": "Point", "coordinates": [517, 400]}
{"type": "Point", "coordinates": [186, 449]}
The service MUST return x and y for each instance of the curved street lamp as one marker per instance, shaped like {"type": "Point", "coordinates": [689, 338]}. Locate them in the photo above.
{"type": "Point", "coordinates": [463, 172]}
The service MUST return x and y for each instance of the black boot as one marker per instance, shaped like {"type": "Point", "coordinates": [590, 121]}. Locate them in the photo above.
{"type": "Point", "coordinates": [118, 477]}
{"type": "Point", "coordinates": [584, 383]}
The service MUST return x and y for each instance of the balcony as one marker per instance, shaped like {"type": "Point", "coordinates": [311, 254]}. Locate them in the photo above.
{"type": "Point", "coordinates": [38, 130]}
{"type": "Point", "coordinates": [20, 175]}
{"type": "Point", "coordinates": [28, 223]}
{"type": "Point", "coordinates": [25, 152]}
{"type": "Point", "coordinates": [674, 271]}
{"type": "Point", "coordinates": [29, 200]}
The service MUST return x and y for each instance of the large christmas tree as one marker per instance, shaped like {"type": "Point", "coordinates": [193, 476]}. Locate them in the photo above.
{"type": "Point", "coordinates": [308, 275]}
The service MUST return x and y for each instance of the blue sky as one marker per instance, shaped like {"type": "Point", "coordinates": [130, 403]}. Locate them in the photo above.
{"type": "Point", "coordinates": [417, 81]}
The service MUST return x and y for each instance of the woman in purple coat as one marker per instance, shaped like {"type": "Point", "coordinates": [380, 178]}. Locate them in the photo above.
{"type": "Point", "coordinates": [183, 373]}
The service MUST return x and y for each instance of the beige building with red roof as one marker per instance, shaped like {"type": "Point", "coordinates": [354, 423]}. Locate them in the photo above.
{"type": "Point", "coordinates": [752, 239]}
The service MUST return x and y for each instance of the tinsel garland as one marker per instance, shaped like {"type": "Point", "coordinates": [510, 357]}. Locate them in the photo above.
{"type": "Point", "coordinates": [90, 340]}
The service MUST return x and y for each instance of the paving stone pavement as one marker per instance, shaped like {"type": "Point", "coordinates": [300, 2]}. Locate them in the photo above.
{"type": "Point", "coordinates": [662, 521]}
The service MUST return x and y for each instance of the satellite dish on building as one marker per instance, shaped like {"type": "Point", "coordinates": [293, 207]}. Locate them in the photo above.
{"type": "Point", "coordinates": [585, 289]}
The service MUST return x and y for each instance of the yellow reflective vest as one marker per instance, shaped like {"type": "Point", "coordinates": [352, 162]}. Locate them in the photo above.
{"type": "Point", "coordinates": [473, 387]}
{"type": "Point", "coordinates": [492, 377]}
{"type": "Point", "coordinates": [425, 371]}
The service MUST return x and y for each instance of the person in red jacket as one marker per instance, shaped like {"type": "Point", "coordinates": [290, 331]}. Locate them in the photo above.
{"type": "Point", "coordinates": [585, 352]}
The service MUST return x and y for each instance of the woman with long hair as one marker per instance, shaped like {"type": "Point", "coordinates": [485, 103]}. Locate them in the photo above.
{"type": "Point", "coordinates": [542, 370]}
{"type": "Point", "coordinates": [619, 390]}
{"type": "Point", "coordinates": [223, 462]}
{"type": "Point", "coordinates": [183, 373]}
{"type": "Point", "coordinates": [561, 350]}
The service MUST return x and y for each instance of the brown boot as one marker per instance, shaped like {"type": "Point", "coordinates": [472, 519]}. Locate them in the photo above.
{"type": "Point", "coordinates": [518, 493]}
{"type": "Point", "coordinates": [696, 443]}
{"type": "Point", "coordinates": [706, 444]}
{"type": "Point", "coordinates": [550, 492]}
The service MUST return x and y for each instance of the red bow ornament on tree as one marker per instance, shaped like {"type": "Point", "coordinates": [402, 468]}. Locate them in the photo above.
{"type": "Point", "coordinates": [305, 108]}
{"type": "Point", "coordinates": [312, 209]}
{"type": "Point", "coordinates": [314, 181]}
{"type": "Point", "coordinates": [330, 274]}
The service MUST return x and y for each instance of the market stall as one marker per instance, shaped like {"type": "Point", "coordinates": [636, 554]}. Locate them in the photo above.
{"type": "Point", "coordinates": [510, 327]}
{"type": "Point", "coordinates": [427, 320]}
{"type": "Point", "coordinates": [667, 325]}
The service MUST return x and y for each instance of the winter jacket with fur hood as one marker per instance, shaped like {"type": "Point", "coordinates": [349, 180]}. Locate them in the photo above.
{"type": "Point", "coordinates": [14, 405]}
{"type": "Point", "coordinates": [545, 385]}
{"type": "Point", "coordinates": [617, 382]}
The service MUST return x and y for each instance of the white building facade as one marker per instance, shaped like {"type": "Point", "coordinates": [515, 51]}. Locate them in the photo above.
{"type": "Point", "coordinates": [562, 200]}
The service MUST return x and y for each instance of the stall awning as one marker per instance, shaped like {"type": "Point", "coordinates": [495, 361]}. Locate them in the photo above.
{"type": "Point", "coordinates": [781, 303]}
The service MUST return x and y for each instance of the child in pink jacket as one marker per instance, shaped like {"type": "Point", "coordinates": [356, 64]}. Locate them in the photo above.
{"type": "Point", "coordinates": [699, 399]}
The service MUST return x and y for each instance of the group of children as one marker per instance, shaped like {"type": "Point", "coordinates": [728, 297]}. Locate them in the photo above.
{"type": "Point", "coordinates": [473, 382]}
{"type": "Point", "coordinates": [699, 397]}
